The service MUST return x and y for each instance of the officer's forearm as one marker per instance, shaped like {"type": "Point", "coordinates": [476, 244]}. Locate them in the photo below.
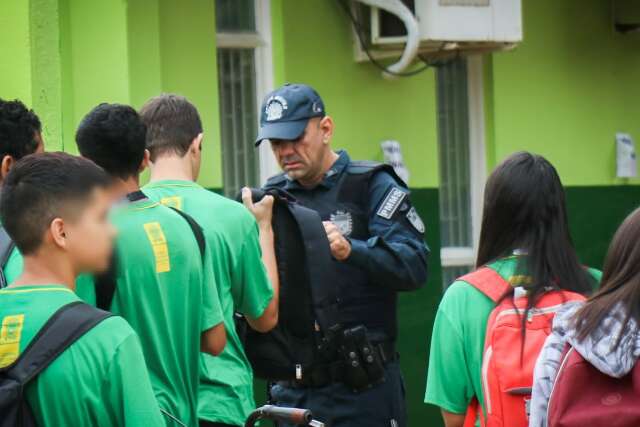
{"type": "Point", "coordinates": [396, 265]}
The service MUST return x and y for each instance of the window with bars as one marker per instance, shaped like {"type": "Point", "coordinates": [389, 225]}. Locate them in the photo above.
{"type": "Point", "coordinates": [456, 224]}
{"type": "Point", "coordinates": [238, 40]}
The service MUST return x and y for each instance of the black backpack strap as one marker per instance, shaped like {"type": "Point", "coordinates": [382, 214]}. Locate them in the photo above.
{"type": "Point", "coordinates": [62, 329]}
{"type": "Point", "coordinates": [6, 248]}
{"type": "Point", "coordinates": [105, 285]}
{"type": "Point", "coordinates": [324, 289]}
{"type": "Point", "coordinates": [195, 228]}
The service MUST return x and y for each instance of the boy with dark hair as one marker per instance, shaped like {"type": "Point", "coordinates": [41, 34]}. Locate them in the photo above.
{"type": "Point", "coordinates": [163, 287]}
{"type": "Point", "coordinates": [20, 135]}
{"type": "Point", "coordinates": [174, 138]}
{"type": "Point", "coordinates": [54, 206]}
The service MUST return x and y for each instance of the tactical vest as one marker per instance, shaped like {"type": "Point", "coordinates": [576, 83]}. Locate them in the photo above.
{"type": "Point", "coordinates": [361, 302]}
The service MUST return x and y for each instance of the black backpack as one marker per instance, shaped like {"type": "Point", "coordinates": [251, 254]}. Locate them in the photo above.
{"type": "Point", "coordinates": [105, 283]}
{"type": "Point", "coordinates": [64, 328]}
{"type": "Point", "coordinates": [308, 306]}
{"type": "Point", "coordinates": [6, 248]}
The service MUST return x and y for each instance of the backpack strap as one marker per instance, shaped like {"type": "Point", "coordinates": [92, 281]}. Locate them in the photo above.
{"type": "Point", "coordinates": [324, 289]}
{"type": "Point", "coordinates": [62, 329]}
{"type": "Point", "coordinates": [195, 228]}
{"type": "Point", "coordinates": [6, 248]}
{"type": "Point", "coordinates": [489, 282]}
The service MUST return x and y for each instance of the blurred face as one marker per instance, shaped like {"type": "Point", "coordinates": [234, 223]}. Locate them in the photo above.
{"type": "Point", "coordinates": [304, 159]}
{"type": "Point", "coordinates": [89, 236]}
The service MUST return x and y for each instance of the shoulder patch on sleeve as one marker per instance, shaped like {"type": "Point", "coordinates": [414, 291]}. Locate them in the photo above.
{"type": "Point", "coordinates": [415, 220]}
{"type": "Point", "coordinates": [391, 203]}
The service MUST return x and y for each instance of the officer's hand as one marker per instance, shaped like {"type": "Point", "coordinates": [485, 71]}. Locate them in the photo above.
{"type": "Point", "coordinates": [340, 247]}
{"type": "Point", "coordinates": [263, 210]}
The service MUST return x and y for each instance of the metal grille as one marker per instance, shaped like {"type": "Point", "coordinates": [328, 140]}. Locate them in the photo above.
{"type": "Point", "coordinates": [235, 16]}
{"type": "Point", "coordinates": [238, 118]}
{"type": "Point", "coordinates": [237, 94]}
{"type": "Point", "coordinates": [453, 142]}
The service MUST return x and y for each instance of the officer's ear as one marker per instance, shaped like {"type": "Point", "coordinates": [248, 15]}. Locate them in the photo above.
{"type": "Point", "coordinates": [326, 128]}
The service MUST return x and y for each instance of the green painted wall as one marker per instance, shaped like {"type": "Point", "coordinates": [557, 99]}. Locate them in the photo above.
{"type": "Point", "coordinates": [313, 40]}
{"type": "Point", "coordinates": [15, 51]}
{"type": "Point", "coordinates": [69, 55]}
{"type": "Point", "coordinates": [568, 89]}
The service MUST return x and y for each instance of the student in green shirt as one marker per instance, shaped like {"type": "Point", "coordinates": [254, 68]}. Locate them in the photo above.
{"type": "Point", "coordinates": [164, 288]}
{"type": "Point", "coordinates": [525, 239]}
{"type": "Point", "coordinates": [54, 206]}
{"type": "Point", "coordinates": [20, 135]}
{"type": "Point", "coordinates": [174, 139]}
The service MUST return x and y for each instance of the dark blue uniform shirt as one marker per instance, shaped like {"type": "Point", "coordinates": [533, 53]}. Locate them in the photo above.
{"type": "Point", "coordinates": [388, 253]}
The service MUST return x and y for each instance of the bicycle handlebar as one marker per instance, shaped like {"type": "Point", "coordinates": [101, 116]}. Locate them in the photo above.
{"type": "Point", "coordinates": [276, 413]}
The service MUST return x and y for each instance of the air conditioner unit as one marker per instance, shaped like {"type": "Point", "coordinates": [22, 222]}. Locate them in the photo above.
{"type": "Point", "coordinates": [445, 26]}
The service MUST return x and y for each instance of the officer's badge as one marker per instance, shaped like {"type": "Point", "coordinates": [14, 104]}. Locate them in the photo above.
{"type": "Point", "coordinates": [344, 222]}
{"type": "Point", "coordinates": [415, 220]}
{"type": "Point", "coordinates": [275, 108]}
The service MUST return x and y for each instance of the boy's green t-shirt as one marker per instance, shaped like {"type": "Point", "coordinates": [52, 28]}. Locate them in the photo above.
{"type": "Point", "coordinates": [100, 379]}
{"type": "Point", "coordinates": [226, 388]}
{"type": "Point", "coordinates": [457, 342]}
{"type": "Point", "coordinates": [168, 295]}
{"type": "Point", "coordinates": [13, 267]}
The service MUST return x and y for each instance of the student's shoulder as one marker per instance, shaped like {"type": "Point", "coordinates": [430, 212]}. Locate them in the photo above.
{"type": "Point", "coordinates": [461, 295]}
{"type": "Point", "coordinates": [105, 339]}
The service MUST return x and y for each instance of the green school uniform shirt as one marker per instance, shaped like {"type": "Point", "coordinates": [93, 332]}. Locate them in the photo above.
{"type": "Point", "coordinates": [457, 342]}
{"type": "Point", "coordinates": [226, 387]}
{"type": "Point", "coordinates": [13, 267]}
{"type": "Point", "coordinates": [100, 379]}
{"type": "Point", "coordinates": [168, 295]}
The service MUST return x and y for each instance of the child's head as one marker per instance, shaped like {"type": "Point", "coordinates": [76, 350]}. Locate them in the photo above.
{"type": "Point", "coordinates": [58, 203]}
{"type": "Point", "coordinates": [174, 128]}
{"type": "Point", "coordinates": [113, 136]}
{"type": "Point", "coordinates": [20, 134]}
{"type": "Point", "coordinates": [524, 209]}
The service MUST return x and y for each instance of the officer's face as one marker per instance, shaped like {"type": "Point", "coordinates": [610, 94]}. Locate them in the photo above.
{"type": "Point", "coordinates": [303, 159]}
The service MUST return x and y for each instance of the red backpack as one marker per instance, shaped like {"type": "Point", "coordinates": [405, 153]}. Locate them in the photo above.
{"type": "Point", "coordinates": [507, 377]}
{"type": "Point", "coordinates": [584, 396]}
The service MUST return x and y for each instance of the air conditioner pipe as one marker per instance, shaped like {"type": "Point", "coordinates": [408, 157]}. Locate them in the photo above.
{"type": "Point", "coordinates": [399, 9]}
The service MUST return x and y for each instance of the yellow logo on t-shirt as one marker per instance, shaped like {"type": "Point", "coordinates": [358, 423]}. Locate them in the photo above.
{"type": "Point", "coordinates": [172, 201]}
{"type": "Point", "coordinates": [10, 333]}
{"type": "Point", "coordinates": [159, 246]}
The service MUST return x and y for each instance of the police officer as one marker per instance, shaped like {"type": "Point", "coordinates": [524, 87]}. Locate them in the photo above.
{"type": "Point", "coordinates": [376, 239]}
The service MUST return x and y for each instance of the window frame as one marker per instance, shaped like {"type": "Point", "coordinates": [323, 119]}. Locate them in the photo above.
{"type": "Point", "coordinates": [466, 256]}
{"type": "Point", "coordinates": [262, 45]}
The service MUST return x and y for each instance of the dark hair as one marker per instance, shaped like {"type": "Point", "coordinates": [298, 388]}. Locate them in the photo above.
{"type": "Point", "coordinates": [172, 124]}
{"type": "Point", "coordinates": [524, 209]}
{"type": "Point", "coordinates": [620, 281]}
{"type": "Point", "coordinates": [39, 189]}
{"type": "Point", "coordinates": [18, 128]}
{"type": "Point", "coordinates": [113, 136]}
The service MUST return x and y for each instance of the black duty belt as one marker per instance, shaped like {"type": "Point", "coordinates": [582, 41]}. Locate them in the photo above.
{"type": "Point", "coordinates": [329, 373]}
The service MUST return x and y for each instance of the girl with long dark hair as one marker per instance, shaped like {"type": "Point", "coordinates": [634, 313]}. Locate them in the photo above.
{"type": "Point", "coordinates": [524, 241]}
{"type": "Point", "coordinates": [605, 330]}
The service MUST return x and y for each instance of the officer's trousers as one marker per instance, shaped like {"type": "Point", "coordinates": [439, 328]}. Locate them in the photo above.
{"type": "Point", "coordinates": [338, 406]}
